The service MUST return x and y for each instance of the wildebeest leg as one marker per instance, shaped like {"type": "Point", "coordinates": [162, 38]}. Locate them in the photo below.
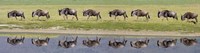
{"type": "Point", "coordinates": [124, 17]}
{"type": "Point", "coordinates": [21, 18]}
{"type": "Point", "coordinates": [88, 17]}
{"type": "Point", "coordinates": [167, 18]}
{"type": "Point", "coordinates": [97, 17]}
{"type": "Point", "coordinates": [115, 17]}
{"type": "Point", "coordinates": [66, 17]}
{"type": "Point", "coordinates": [196, 19]}
{"type": "Point", "coordinates": [38, 17]}
{"type": "Point", "coordinates": [16, 18]}
{"type": "Point", "coordinates": [163, 19]}
{"type": "Point", "coordinates": [76, 17]}
{"type": "Point", "coordinates": [147, 18]}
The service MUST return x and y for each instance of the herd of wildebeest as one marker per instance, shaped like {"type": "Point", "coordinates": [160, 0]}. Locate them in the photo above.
{"type": "Point", "coordinates": [66, 43]}
{"type": "Point", "coordinates": [116, 12]}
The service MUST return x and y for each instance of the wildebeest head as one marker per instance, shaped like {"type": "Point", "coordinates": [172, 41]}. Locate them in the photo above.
{"type": "Point", "coordinates": [85, 12]}
{"type": "Point", "coordinates": [48, 16]}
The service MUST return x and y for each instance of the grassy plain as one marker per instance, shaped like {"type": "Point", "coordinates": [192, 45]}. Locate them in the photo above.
{"type": "Point", "coordinates": [106, 23]}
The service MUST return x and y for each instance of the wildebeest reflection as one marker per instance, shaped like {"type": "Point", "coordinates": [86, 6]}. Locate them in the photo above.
{"type": "Point", "coordinates": [167, 13]}
{"type": "Point", "coordinates": [68, 44]}
{"type": "Point", "coordinates": [117, 12]}
{"type": "Point", "coordinates": [140, 13]}
{"type": "Point", "coordinates": [190, 15]}
{"type": "Point", "coordinates": [16, 14]}
{"type": "Point", "coordinates": [40, 42]}
{"type": "Point", "coordinates": [166, 43]}
{"type": "Point", "coordinates": [91, 12]}
{"type": "Point", "coordinates": [188, 42]}
{"type": "Point", "coordinates": [92, 43]}
{"type": "Point", "coordinates": [68, 11]}
{"type": "Point", "coordinates": [117, 44]}
{"type": "Point", "coordinates": [15, 40]}
{"type": "Point", "coordinates": [40, 12]}
{"type": "Point", "coordinates": [139, 44]}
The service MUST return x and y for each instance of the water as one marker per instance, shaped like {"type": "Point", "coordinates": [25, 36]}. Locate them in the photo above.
{"type": "Point", "coordinates": [52, 47]}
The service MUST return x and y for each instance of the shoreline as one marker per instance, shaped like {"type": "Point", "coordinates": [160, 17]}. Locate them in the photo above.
{"type": "Point", "coordinates": [95, 32]}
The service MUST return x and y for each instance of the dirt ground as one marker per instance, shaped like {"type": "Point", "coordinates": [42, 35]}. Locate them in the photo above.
{"type": "Point", "coordinates": [100, 32]}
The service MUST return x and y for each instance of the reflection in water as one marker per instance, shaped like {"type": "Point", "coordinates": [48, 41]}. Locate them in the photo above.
{"type": "Point", "coordinates": [40, 42]}
{"type": "Point", "coordinates": [15, 40]}
{"type": "Point", "coordinates": [68, 44]}
{"type": "Point", "coordinates": [166, 43]}
{"type": "Point", "coordinates": [52, 47]}
{"type": "Point", "coordinates": [188, 42]}
{"type": "Point", "coordinates": [117, 44]}
{"type": "Point", "coordinates": [92, 43]}
{"type": "Point", "coordinates": [139, 44]}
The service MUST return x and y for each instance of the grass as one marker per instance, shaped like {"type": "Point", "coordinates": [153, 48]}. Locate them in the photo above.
{"type": "Point", "coordinates": [30, 35]}
{"type": "Point", "coordinates": [106, 22]}
{"type": "Point", "coordinates": [97, 2]}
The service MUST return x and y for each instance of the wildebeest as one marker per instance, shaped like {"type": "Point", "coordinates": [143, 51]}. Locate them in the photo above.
{"type": "Point", "coordinates": [68, 11]}
{"type": "Point", "coordinates": [188, 42]}
{"type": "Point", "coordinates": [139, 44]}
{"type": "Point", "coordinates": [166, 43]}
{"type": "Point", "coordinates": [90, 12]}
{"type": "Point", "coordinates": [40, 13]}
{"type": "Point", "coordinates": [68, 44]}
{"type": "Point", "coordinates": [140, 13]}
{"type": "Point", "coordinates": [190, 15]}
{"type": "Point", "coordinates": [92, 43]}
{"type": "Point", "coordinates": [40, 42]}
{"type": "Point", "coordinates": [167, 13]}
{"type": "Point", "coordinates": [16, 14]}
{"type": "Point", "coordinates": [117, 12]}
{"type": "Point", "coordinates": [15, 40]}
{"type": "Point", "coordinates": [117, 44]}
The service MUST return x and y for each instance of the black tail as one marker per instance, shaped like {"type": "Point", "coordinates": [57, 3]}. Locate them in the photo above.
{"type": "Point", "coordinates": [33, 14]}
{"type": "Point", "coordinates": [8, 15]}
{"type": "Point", "coordinates": [158, 14]}
{"type": "Point", "coordinates": [158, 44]}
{"type": "Point", "coordinates": [132, 13]}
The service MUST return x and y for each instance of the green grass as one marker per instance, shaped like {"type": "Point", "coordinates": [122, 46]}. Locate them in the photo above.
{"type": "Point", "coordinates": [30, 35]}
{"type": "Point", "coordinates": [97, 2]}
{"type": "Point", "coordinates": [107, 23]}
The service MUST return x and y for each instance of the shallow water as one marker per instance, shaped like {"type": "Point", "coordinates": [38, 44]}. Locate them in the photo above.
{"type": "Point", "coordinates": [52, 47]}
